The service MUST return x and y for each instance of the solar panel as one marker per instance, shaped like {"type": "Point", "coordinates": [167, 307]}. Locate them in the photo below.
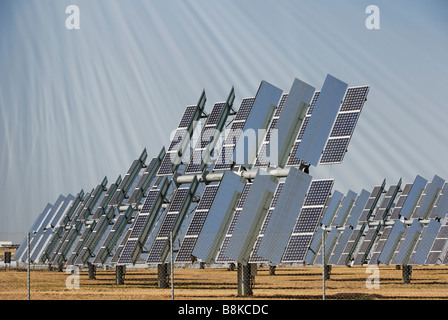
{"type": "Point", "coordinates": [388, 243]}
{"type": "Point", "coordinates": [428, 198]}
{"type": "Point", "coordinates": [293, 160]}
{"type": "Point", "coordinates": [411, 197]}
{"type": "Point", "coordinates": [118, 227]}
{"type": "Point", "coordinates": [181, 138]}
{"type": "Point", "coordinates": [262, 157]}
{"type": "Point", "coordinates": [258, 119]}
{"type": "Point", "coordinates": [425, 243]}
{"type": "Point", "coordinates": [102, 207]}
{"type": "Point", "coordinates": [344, 125]}
{"type": "Point", "coordinates": [172, 221]}
{"type": "Point", "coordinates": [292, 114]}
{"type": "Point", "coordinates": [401, 200]}
{"type": "Point", "coordinates": [343, 238]}
{"type": "Point", "coordinates": [440, 208]}
{"type": "Point", "coordinates": [346, 257]}
{"type": "Point", "coordinates": [372, 202]}
{"type": "Point", "coordinates": [343, 209]}
{"type": "Point", "coordinates": [332, 207]}
{"type": "Point", "coordinates": [358, 208]}
{"type": "Point", "coordinates": [387, 202]}
{"type": "Point", "coordinates": [366, 245]}
{"type": "Point", "coordinates": [251, 217]}
{"type": "Point", "coordinates": [408, 243]}
{"type": "Point", "coordinates": [330, 243]}
{"type": "Point", "coordinates": [206, 143]}
{"type": "Point", "coordinates": [308, 220]}
{"type": "Point", "coordinates": [44, 235]}
{"type": "Point", "coordinates": [143, 224]}
{"type": "Point", "coordinates": [41, 230]}
{"type": "Point", "coordinates": [230, 226]}
{"type": "Point", "coordinates": [98, 231]}
{"type": "Point", "coordinates": [321, 120]}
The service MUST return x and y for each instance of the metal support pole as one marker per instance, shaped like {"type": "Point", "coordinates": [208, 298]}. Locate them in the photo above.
{"type": "Point", "coordinates": [172, 266]}
{"type": "Point", "coordinates": [28, 264]}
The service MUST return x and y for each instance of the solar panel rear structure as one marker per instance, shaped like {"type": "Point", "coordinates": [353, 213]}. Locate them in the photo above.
{"type": "Point", "coordinates": [206, 143]}
{"type": "Point", "coordinates": [182, 136]}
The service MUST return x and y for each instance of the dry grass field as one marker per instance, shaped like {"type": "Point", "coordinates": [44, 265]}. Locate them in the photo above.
{"type": "Point", "coordinates": [215, 283]}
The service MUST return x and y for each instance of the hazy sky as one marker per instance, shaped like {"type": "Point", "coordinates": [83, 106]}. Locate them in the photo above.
{"type": "Point", "coordinates": [79, 105]}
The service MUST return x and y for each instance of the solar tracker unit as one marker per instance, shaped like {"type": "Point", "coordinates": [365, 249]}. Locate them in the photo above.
{"type": "Point", "coordinates": [21, 250]}
{"type": "Point", "coordinates": [172, 222]}
{"type": "Point", "coordinates": [344, 125]}
{"type": "Point", "coordinates": [308, 220]}
{"type": "Point", "coordinates": [102, 207]}
{"type": "Point", "coordinates": [66, 229]}
{"type": "Point", "coordinates": [331, 239]}
{"type": "Point", "coordinates": [143, 224]}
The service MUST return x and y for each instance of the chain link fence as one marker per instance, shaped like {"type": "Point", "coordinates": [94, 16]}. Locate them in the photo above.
{"type": "Point", "coordinates": [198, 280]}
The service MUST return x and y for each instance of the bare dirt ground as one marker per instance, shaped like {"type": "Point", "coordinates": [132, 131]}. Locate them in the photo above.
{"type": "Point", "coordinates": [217, 283]}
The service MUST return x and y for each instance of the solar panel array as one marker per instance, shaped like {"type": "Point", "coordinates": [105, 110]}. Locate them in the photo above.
{"type": "Point", "coordinates": [130, 220]}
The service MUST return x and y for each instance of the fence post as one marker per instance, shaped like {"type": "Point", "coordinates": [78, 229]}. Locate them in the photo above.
{"type": "Point", "coordinates": [28, 264]}
{"type": "Point", "coordinates": [172, 266]}
{"type": "Point", "coordinates": [323, 264]}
